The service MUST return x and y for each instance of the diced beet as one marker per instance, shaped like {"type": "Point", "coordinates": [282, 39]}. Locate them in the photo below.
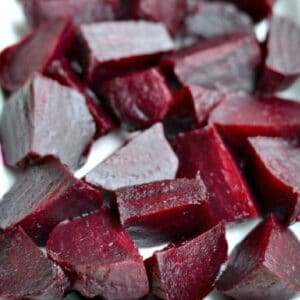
{"type": "Point", "coordinates": [35, 52]}
{"type": "Point", "coordinates": [110, 48]}
{"type": "Point", "coordinates": [163, 210]}
{"type": "Point", "coordinates": [45, 118]}
{"type": "Point", "coordinates": [99, 257]}
{"type": "Point", "coordinates": [25, 272]}
{"type": "Point", "coordinates": [61, 71]}
{"type": "Point", "coordinates": [225, 63]}
{"type": "Point", "coordinates": [147, 157]}
{"type": "Point", "coordinates": [140, 99]}
{"type": "Point", "coordinates": [265, 265]}
{"type": "Point", "coordinates": [275, 167]}
{"type": "Point", "coordinates": [82, 11]}
{"type": "Point", "coordinates": [203, 152]}
{"type": "Point", "coordinates": [188, 271]}
{"type": "Point", "coordinates": [282, 66]}
{"type": "Point", "coordinates": [43, 196]}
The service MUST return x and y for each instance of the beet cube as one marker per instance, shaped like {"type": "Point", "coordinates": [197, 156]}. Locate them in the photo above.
{"type": "Point", "coordinates": [203, 152]}
{"type": "Point", "coordinates": [282, 66]}
{"type": "Point", "coordinates": [140, 99]}
{"type": "Point", "coordinates": [188, 271]}
{"type": "Point", "coordinates": [99, 257]}
{"type": "Point", "coordinates": [25, 272]}
{"type": "Point", "coordinates": [45, 118]}
{"type": "Point", "coordinates": [43, 196]}
{"type": "Point", "coordinates": [147, 157]}
{"type": "Point", "coordinates": [35, 52]}
{"type": "Point", "coordinates": [265, 265]}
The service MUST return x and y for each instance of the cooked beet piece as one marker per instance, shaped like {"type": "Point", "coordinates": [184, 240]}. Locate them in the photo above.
{"type": "Point", "coordinates": [82, 11]}
{"type": "Point", "coordinates": [227, 63]}
{"type": "Point", "coordinates": [45, 118]}
{"type": "Point", "coordinates": [163, 210]}
{"type": "Point", "coordinates": [188, 271]}
{"type": "Point", "coordinates": [282, 66]}
{"type": "Point", "coordinates": [99, 257]}
{"type": "Point", "coordinates": [111, 48]}
{"type": "Point", "coordinates": [35, 52]}
{"type": "Point", "coordinates": [203, 152]}
{"type": "Point", "coordinates": [25, 272]}
{"type": "Point", "coordinates": [45, 195]}
{"type": "Point", "coordinates": [62, 72]}
{"type": "Point", "coordinates": [140, 99]}
{"type": "Point", "coordinates": [147, 157]}
{"type": "Point", "coordinates": [265, 265]}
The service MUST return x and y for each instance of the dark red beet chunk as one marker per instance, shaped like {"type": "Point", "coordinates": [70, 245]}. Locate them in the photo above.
{"type": "Point", "coordinates": [43, 196]}
{"type": "Point", "coordinates": [160, 211]}
{"type": "Point", "coordinates": [276, 171]}
{"type": "Point", "coordinates": [25, 272]}
{"type": "Point", "coordinates": [203, 152]}
{"type": "Point", "coordinates": [45, 118]}
{"type": "Point", "coordinates": [225, 63]}
{"type": "Point", "coordinates": [282, 65]}
{"type": "Point", "coordinates": [140, 99]}
{"type": "Point", "coordinates": [265, 266]}
{"type": "Point", "coordinates": [35, 52]}
{"type": "Point", "coordinates": [146, 158]}
{"type": "Point", "coordinates": [99, 257]}
{"type": "Point", "coordinates": [62, 72]}
{"type": "Point", "coordinates": [188, 271]}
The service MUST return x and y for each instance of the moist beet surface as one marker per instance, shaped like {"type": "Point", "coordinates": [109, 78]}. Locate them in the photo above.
{"type": "Point", "coordinates": [43, 196]}
{"type": "Point", "coordinates": [189, 270]}
{"type": "Point", "coordinates": [99, 257]}
{"type": "Point", "coordinates": [265, 265]}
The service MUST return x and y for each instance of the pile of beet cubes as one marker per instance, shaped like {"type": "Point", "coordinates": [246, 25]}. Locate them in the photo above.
{"type": "Point", "coordinates": [214, 146]}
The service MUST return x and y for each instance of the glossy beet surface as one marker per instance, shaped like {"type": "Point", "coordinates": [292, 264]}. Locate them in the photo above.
{"type": "Point", "coordinates": [25, 272]}
{"type": "Point", "coordinates": [188, 271]}
{"type": "Point", "coordinates": [265, 265]}
{"type": "Point", "coordinates": [43, 196]}
{"type": "Point", "coordinates": [160, 211]}
{"type": "Point", "coordinates": [203, 152]}
{"type": "Point", "coordinates": [99, 257]}
{"type": "Point", "coordinates": [26, 133]}
{"type": "Point", "coordinates": [147, 157]}
{"type": "Point", "coordinates": [35, 52]}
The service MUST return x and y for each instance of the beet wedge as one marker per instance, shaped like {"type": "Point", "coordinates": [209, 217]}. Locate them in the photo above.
{"type": "Point", "coordinates": [45, 118]}
{"type": "Point", "coordinates": [188, 271]}
{"type": "Point", "coordinates": [265, 265]}
{"type": "Point", "coordinates": [203, 152]}
{"type": "Point", "coordinates": [35, 52]}
{"type": "Point", "coordinates": [158, 212]}
{"type": "Point", "coordinates": [147, 157]}
{"type": "Point", "coordinates": [45, 195]}
{"type": "Point", "coordinates": [99, 257]}
{"type": "Point", "coordinates": [25, 272]}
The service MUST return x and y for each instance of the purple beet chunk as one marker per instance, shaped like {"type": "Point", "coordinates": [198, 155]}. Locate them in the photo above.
{"type": "Point", "coordinates": [82, 11]}
{"type": "Point", "coordinates": [147, 157]}
{"type": "Point", "coordinates": [35, 52]}
{"type": "Point", "coordinates": [43, 196]}
{"type": "Point", "coordinates": [164, 210]}
{"type": "Point", "coordinates": [188, 271]}
{"type": "Point", "coordinates": [282, 66]}
{"type": "Point", "coordinates": [265, 265]}
{"type": "Point", "coordinates": [138, 100]}
{"type": "Point", "coordinates": [62, 72]}
{"type": "Point", "coordinates": [25, 272]}
{"type": "Point", "coordinates": [111, 48]}
{"type": "Point", "coordinates": [99, 257]}
{"type": "Point", "coordinates": [203, 152]}
{"type": "Point", "coordinates": [45, 118]}
{"type": "Point", "coordinates": [226, 63]}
